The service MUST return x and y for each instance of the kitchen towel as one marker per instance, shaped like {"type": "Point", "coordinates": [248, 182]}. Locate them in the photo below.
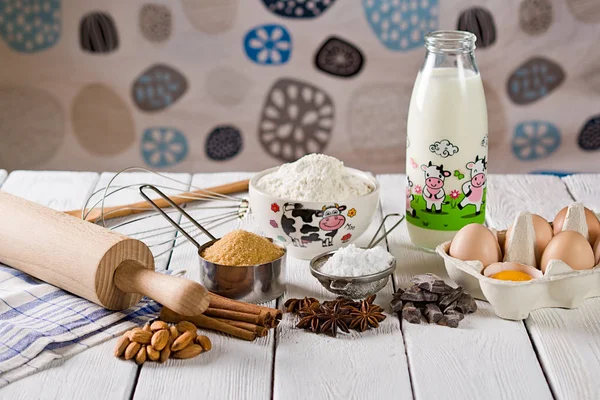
{"type": "Point", "coordinates": [40, 323]}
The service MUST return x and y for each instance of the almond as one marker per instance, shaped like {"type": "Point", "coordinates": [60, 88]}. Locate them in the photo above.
{"type": "Point", "coordinates": [122, 344]}
{"type": "Point", "coordinates": [132, 350]}
{"type": "Point", "coordinates": [164, 354]}
{"type": "Point", "coordinates": [188, 352]}
{"type": "Point", "coordinates": [140, 336]}
{"type": "Point", "coordinates": [174, 332]}
{"type": "Point", "coordinates": [158, 325]}
{"type": "Point", "coordinates": [147, 327]}
{"type": "Point", "coordinates": [140, 358]}
{"type": "Point", "coordinates": [183, 340]}
{"type": "Point", "coordinates": [160, 339]}
{"type": "Point", "coordinates": [153, 354]}
{"type": "Point", "coordinates": [185, 326]}
{"type": "Point", "coordinates": [204, 341]}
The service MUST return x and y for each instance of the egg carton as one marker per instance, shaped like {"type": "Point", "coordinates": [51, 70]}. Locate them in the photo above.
{"type": "Point", "coordinates": [560, 286]}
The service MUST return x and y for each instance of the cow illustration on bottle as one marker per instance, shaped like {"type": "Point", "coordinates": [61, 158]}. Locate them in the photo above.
{"type": "Point", "coordinates": [434, 193]}
{"type": "Point", "coordinates": [304, 226]}
{"type": "Point", "coordinates": [409, 197]}
{"type": "Point", "coordinates": [473, 188]}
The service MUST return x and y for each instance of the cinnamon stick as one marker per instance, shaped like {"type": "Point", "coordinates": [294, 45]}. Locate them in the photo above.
{"type": "Point", "coordinates": [260, 331]}
{"type": "Point", "coordinates": [224, 303]}
{"type": "Point", "coordinates": [262, 319]}
{"type": "Point", "coordinates": [202, 321]}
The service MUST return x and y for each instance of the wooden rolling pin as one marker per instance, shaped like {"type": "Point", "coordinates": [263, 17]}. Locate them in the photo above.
{"type": "Point", "coordinates": [143, 206]}
{"type": "Point", "coordinates": [102, 266]}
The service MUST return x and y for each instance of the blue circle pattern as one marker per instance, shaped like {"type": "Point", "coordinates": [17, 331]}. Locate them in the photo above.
{"type": "Point", "coordinates": [298, 9]}
{"type": "Point", "coordinates": [400, 25]}
{"type": "Point", "coordinates": [268, 45]}
{"type": "Point", "coordinates": [30, 26]}
{"type": "Point", "coordinates": [534, 140]}
{"type": "Point", "coordinates": [163, 147]}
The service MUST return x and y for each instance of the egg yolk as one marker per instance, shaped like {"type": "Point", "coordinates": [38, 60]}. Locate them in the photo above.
{"type": "Point", "coordinates": [517, 276]}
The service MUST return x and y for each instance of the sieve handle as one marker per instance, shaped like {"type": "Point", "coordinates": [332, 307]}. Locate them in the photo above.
{"type": "Point", "coordinates": [371, 244]}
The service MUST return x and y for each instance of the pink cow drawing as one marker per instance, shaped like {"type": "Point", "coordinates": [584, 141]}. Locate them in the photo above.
{"type": "Point", "coordinates": [473, 189]}
{"type": "Point", "coordinates": [434, 193]}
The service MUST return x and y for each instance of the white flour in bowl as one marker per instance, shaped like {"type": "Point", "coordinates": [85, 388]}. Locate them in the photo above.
{"type": "Point", "coordinates": [314, 177]}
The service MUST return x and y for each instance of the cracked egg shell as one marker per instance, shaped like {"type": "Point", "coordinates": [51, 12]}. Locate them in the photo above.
{"type": "Point", "coordinates": [475, 242]}
{"type": "Point", "coordinates": [590, 218]}
{"type": "Point", "coordinates": [572, 248]}
{"type": "Point", "coordinates": [543, 235]}
{"type": "Point", "coordinates": [597, 251]}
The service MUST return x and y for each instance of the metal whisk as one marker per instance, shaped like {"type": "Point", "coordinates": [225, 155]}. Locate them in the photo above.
{"type": "Point", "coordinates": [142, 222]}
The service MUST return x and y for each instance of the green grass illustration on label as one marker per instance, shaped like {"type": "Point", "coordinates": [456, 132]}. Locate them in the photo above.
{"type": "Point", "coordinates": [451, 218]}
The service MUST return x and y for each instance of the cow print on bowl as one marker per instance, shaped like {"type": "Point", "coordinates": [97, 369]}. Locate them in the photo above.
{"type": "Point", "coordinates": [304, 226]}
{"type": "Point", "coordinates": [339, 58]}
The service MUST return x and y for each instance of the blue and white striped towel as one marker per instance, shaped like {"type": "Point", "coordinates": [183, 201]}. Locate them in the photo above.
{"type": "Point", "coordinates": [40, 323]}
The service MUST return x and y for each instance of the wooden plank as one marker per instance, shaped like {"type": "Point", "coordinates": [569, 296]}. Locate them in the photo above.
{"type": "Point", "coordinates": [585, 188]}
{"type": "Point", "coordinates": [567, 341]}
{"type": "Point", "coordinates": [93, 374]}
{"type": "Point", "coordinates": [486, 357]}
{"type": "Point", "coordinates": [233, 368]}
{"type": "Point", "coordinates": [357, 365]}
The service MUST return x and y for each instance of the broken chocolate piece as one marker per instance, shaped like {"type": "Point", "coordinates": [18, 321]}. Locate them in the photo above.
{"type": "Point", "coordinates": [450, 298]}
{"type": "Point", "coordinates": [411, 313]}
{"type": "Point", "coordinates": [396, 304]}
{"type": "Point", "coordinates": [453, 318]}
{"type": "Point", "coordinates": [432, 283]}
{"type": "Point", "coordinates": [414, 293]}
{"type": "Point", "coordinates": [433, 313]}
{"type": "Point", "coordinates": [466, 304]}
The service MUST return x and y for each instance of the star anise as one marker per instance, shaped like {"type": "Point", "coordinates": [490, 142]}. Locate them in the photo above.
{"type": "Point", "coordinates": [367, 315]}
{"type": "Point", "coordinates": [333, 319]}
{"type": "Point", "coordinates": [309, 309]}
{"type": "Point", "coordinates": [310, 319]}
{"type": "Point", "coordinates": [293, 305]}
{"type": "Point", "coordinates": [343, 302]}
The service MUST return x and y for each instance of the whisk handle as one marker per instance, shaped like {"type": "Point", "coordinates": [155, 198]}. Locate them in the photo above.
{"type": "Point", "coordinates": [183, 296]}
{"type": "Point", "coordinates": [142, 206]}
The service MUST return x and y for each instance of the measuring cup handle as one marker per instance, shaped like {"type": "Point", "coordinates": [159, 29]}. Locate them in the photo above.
{"type": "Point", "coordinates": [374, 241]}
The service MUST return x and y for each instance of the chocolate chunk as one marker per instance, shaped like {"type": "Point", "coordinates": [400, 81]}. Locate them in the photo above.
{"type": "Point", "coordinates": [414, 293]}
{"type": "Point", "coordinates": [452, 318]}
{"type": "Point", "coordinates": [411, 314]}
{"type": "Point", "coordinates": [396, 305]}
{"type": "Point", "coordinates": [433, 313]}
{"type": "Point", "coordinates": [450, 298]}
{"type": "Point", "coordinates": [432, 283]}
{"type": "Point", "coordinates": [466, 304]}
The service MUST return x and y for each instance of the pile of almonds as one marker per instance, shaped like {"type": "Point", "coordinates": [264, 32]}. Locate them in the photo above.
{"type": "Point", "coordinates": [159, 341]}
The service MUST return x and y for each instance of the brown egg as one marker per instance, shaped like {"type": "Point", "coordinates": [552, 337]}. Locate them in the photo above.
{"type": "Point", "coordinates": [597, 251]}
{"type": "Point", "coordinates": [570, 247]}
{"type": "Point", "coordinates": [592, 222]}
{"type": "Point", "coordinates": [475, 242]}
{"type": "Point", "coordinates": [543, 235]}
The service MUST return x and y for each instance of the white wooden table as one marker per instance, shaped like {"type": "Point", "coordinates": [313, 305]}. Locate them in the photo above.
{"type": "Point", "coordinates": [554, 353]}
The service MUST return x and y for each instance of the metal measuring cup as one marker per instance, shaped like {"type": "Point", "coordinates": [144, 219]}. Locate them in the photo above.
{"type": "Point", "coordinates": [356, 287]}
{"type": "Point", "coordinates": [252, 283]}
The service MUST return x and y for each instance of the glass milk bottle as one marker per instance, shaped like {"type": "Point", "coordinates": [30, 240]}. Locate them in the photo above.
{"type": "Point", "coordinates": [446, 148]}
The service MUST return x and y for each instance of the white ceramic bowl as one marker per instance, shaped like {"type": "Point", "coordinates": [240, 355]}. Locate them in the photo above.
{"type": "Point", "coordinates": [309, 228]}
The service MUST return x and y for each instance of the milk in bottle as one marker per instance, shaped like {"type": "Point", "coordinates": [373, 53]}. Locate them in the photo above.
{"type": "Point", "coordinates": [446, 149]}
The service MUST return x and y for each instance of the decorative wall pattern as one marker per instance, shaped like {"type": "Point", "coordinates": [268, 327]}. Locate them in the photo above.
{"type": "Point", "coordinates": [212, 85]}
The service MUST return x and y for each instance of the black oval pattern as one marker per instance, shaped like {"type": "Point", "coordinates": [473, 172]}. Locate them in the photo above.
{"type": "Point", "coordinates": [298, 9]}
{"type": "Point", "coordinates": [339, 58]}
{"type": "Point", "coordinates": [480, 22]}
{"type": "Point", "coordinates": [535, 16]}
{"type": "Point", "coordinates": [223, 142]}
{"type": "Point", "coordinates": [158, 87]}
{"type": "Point", "coordinates": [589, 137]}
{"type": "Point", "coordinates": [98, 33]}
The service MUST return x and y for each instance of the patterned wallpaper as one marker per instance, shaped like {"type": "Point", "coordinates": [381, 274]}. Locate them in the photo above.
{"type": "Point", "coordinates": [211, 85]}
